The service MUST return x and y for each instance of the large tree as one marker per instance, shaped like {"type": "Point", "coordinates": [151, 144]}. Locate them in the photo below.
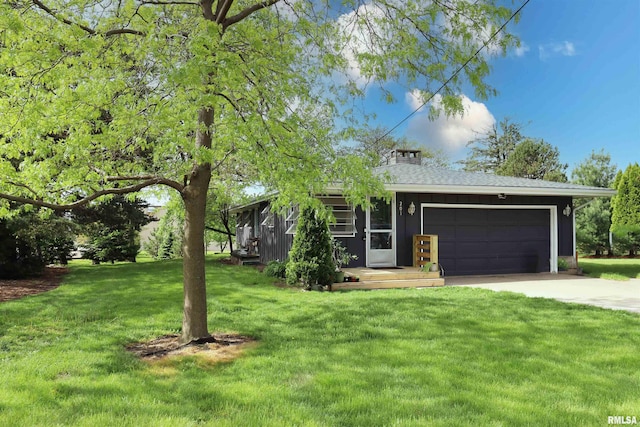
{"type": "Point", "coordinates": [109, 97]}
{"type": "Point", "coordinates": [593, 221]}
{"type": "Point", "coordinates": [491, 150]}
{"type": "Point", "coordinates": [625, 217]}
{"type": "Point", "coordinates": [535, 159]}
{"type": "Point", "coordinates": [504, 150]}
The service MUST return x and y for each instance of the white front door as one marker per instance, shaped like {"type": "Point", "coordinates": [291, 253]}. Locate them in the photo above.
{"type": "Point", "coordinates": [381, 235]}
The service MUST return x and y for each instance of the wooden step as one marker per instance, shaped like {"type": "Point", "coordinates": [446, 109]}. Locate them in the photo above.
{"type": "Point", "coordinates": [370, 274]}
{"type": "Point", "coordinates": [389, 284]}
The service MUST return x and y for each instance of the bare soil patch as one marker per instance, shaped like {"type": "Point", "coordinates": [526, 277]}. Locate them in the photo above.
{"type": "Point", "coordinates": [215, 348]}
{"type": "Point", "coordinates": [50, 279]}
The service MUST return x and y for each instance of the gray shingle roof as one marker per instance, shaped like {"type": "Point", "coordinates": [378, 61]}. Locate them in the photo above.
{"type": "Point", "coordinates": [419, 178]}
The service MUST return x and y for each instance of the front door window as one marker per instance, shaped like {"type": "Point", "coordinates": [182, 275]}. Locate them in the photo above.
{"type": "Point", "coordinates": [381, 228]}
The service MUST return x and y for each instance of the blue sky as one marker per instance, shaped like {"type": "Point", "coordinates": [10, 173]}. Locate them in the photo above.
{"type": "Point", "coordinates": [575, 82]}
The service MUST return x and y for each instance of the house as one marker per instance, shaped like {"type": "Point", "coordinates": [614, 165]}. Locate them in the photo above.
{"type": "Point", "coordinates": [486, 224]}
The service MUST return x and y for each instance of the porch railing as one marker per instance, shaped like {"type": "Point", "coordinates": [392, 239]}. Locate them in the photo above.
{"type": "Point", "coordinates": [425, 249]}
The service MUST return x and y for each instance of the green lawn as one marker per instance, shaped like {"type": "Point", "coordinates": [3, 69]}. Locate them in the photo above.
{"type": "Point", "coordinates": [616, 269]}
{"type": "Point", "coordinates": [447, 356]}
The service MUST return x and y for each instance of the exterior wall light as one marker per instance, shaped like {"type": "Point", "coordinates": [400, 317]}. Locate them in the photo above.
{"type": "Point", "coordinates": [502, 196]}
{"type": "Point", "coordinates": [567, 210]}
{"type": "Point", "coordinates": [400, 207]}
{"type": "Point", "coordinates": [412, 208]}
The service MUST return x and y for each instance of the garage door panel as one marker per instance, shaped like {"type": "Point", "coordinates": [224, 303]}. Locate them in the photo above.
{"type": "Point", "coordinates": [531, 247]}
{"type": "Point", "coordinates": [446, 247]}
{"type": "Point", "coordinates": [464, 216]}
{"type": "Point", "coordinates": [498, 233]}
{"type": "Point", "coordinates": [466, 266]}
{"type": "Point", "coordinates": [440, 217]}
{"type": "Point", "coordinates": [507, 249]}
{"type": "Point", "coordinates": [472, 249]}
{"type": "Point", "coordinates": [490, 241]}
{"type": "Point", "coordinates": [511, 264]}
{"type": "Point", "coordinates": [447, 231]}
{"type": "Point", "coordinates": [501, 217]}
{"type": "Point", "coordinates": [471, 233]}
{"type": "Point", "coordinates": [511, 235]}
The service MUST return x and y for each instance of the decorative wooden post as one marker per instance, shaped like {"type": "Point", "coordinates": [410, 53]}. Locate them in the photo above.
{"type": "Point", "coordinates": [425, 249]}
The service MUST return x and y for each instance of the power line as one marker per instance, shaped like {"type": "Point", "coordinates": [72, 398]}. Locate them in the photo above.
{"type": "Point", "coordinates": [484, 45]}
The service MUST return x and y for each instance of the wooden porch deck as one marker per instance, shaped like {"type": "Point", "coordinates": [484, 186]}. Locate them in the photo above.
{"type": "Point", "coordinates": [387, 278]}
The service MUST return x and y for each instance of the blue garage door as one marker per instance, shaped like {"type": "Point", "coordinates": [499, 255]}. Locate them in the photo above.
{"type": "Point", "coordinates": [490, 241]}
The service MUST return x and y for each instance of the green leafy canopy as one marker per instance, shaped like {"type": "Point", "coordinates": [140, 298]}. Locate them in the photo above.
{"type": "Point", "coordinates": [94, 91]}
{"type": "Point", "coordinates": [110, 97]}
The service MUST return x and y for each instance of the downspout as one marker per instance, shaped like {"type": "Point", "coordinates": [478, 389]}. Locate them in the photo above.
{"type": "Point", "coordinates": [576, 209]}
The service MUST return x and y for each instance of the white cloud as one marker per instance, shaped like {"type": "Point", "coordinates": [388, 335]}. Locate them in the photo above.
{"type": "Point", "coordinates": [414, 99]}
{"type": "Point", "coordinates": [549, 50]}
{"type": "Point", "coordinates": [522, 49]}
{"type": "Point", "coordinates": [451, 134]}
{"type": "Point", "coordinates": [361, 29]}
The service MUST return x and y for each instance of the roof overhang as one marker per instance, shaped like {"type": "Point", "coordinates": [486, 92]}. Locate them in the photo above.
{"type": "Point", "coordinates": [578, 191]}
{"type": "Point", "coordinates": [251, 204]}
{"type": "Point", "coordinates": [520, 191]}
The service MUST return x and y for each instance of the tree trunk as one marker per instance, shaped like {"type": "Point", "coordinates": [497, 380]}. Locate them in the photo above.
{"type": "Point", "coordinates": [194, 195]}
{"type": "Point", "coordinates": [225, 221]}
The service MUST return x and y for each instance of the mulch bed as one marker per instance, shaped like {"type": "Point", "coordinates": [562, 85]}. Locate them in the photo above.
{"type": "Point", "coordinates": [217, 345]}
{"type": "Point", "coordinates": [48, 280]}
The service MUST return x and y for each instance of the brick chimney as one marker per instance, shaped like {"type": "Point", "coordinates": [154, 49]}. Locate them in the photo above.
{"type": "Point", "coordinates": [413, 157]}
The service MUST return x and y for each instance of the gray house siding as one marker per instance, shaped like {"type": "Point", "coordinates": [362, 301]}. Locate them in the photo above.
{"type": "Point", "coordinates": [274, 242]}
{"type": "Point", "coordinates": [357, 245]}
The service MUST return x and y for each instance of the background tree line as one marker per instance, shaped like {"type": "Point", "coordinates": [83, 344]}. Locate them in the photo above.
{"type": "Point", "coordinates": [107, 231]}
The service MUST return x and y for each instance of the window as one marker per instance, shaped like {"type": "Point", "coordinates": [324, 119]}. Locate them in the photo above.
{"type": "Point", "coordinates": [344, 217]}
{"type": "Point", "coordinates": [244, 230]}
{"type": "Point", "coordinates": [292, 220]}
{"type": "Point", "coordinates": [269, 217]}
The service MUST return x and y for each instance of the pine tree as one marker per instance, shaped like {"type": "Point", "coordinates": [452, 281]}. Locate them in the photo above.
{"type": "Point", "coordinates": [625, 217]}
{"type": "Point", "coordinates": [167, 247]}
{"type": "Point", "coordinates": [310, 256]}
{"type": "Point", "coordinates": [594, 221]}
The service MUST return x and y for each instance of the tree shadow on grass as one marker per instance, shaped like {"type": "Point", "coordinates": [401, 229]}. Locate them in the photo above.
{"type": "Point", "coordinates": [367, 358]}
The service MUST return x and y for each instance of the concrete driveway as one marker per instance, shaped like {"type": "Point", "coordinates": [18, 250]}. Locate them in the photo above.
{"type": "Point", "coordinates": [604, 293]}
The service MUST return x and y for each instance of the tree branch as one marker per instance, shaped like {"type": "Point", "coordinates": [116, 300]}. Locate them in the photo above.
{"type": "Point", "coordinates": [247, 11]}
{"type": "Point", "coordinates": [219, 231]}
{"type": "Point", "coordinates": [233, 104]}
{"type": "Point", "coordinates": [192, 3]}
{"type": "Point", "coordinates": [62, 19]}
{"type": "Point", "coordinates": [207, 9]}
{"type": "Point", "coordinates": [124, 31]}
{"type": "Point", "coordinates": [222, 10]}
{"type": "Point", "coordinates": [26, 187]}
{"type": "Point", "coordinates": [89, 30]}
{"type": "Point", "coordinates": [164, 181]}
{"type": "Point", "coordinates": [84, 201]}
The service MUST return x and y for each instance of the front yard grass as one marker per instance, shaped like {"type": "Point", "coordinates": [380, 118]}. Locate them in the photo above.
{"type": "Point", "coordinates": [447, 356]}
{"type": "Point", "coordinates": [615, 269]}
